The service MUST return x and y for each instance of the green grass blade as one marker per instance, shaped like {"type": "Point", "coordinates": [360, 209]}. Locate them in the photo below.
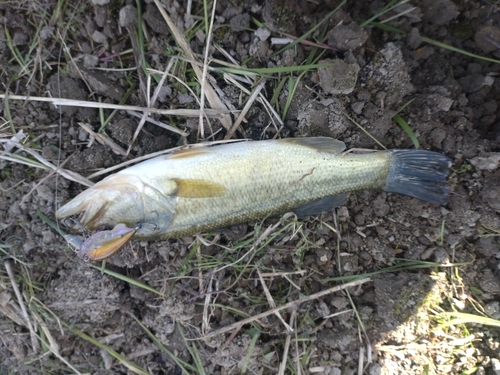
{"type": "Point", "coordinates": [391, 5]}
{"type": "Point", "coordinates": [122, 102]}
{"type": "Point", "coordinates": [404, 125]}
{"type": "Point", "coordinates": [304, 36]}
{"type": "Point", "coordinates": [277, 92]}
{"type": "Point", "coordinates": [195, 354]}
{"type": "Point", "coordinates": [364, 130]}
{"type": "Point", "coordinates": [128, 280]}
{"type": "Point", "coordinates": [292, 86]}
{"type": "Point", "coordinates": [179, 362]}
{"type": "Point", "coordinates": [50, 223]}
{"type": "Point", "coordinates": [282, 69]}
{"type": "Point", "coordinates": [455, 49]}
{"type": "Point", "coordinates": [436, 43]}
{"type": "Point", "coordinates": [460, 318]}
{"type": "Point", "coordinates": [124, 361]}
{"type": "Point", "coordinates": [8, 115]}
{"type": "Point", "coordinates": [402, 264]}
{"type": "Point", "coordinates": [255, 334]}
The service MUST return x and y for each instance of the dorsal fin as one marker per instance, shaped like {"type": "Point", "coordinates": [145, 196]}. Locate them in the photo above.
{"type": "Point", "coordinates": [321, 144]}
{"type": "Point", "coordinates": [188, 153]}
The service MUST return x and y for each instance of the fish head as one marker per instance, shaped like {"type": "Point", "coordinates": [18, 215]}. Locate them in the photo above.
{"type": "Point", "coordinates": [121, 199]}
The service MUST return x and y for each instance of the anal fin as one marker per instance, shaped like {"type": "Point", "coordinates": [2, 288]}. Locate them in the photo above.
{"type": "Point", "coordinates": [321, 205]}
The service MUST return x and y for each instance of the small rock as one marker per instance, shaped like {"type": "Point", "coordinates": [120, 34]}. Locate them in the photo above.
{"type": "Point", "coordinates": [164, 92]}
{"type": "Point", "coordinates": [493, 309]}
{"type": "Point", "coordinates": [391, 74]}
{"type": "Point", "coordinates": [262, 33]}
{"type": "Point", "coordinates": [414, 39]}
{"type": "Point", "coordinates": [488, 247]}
{"type": "Point", "coordinates": [99, 37]}
{"type": "Point", "coordinates": [440, 12]}
{"type": "Point", "coordinates": [495, 366]}
{"type": "Point", "coordinates": [46, 32]}
{"type": "Point", "coordinates": [357, 107]}
{"type": "Point", "coordinates": [48, 237]}
{"type": "Point", "coordinates": [20, 38]}
{"type": "Point", "coordinates": [323, 118]}
{"type": "Point", "coordinates": [486, 162]}
{"type": "Point", "coordinates": [339, 78]}
{"type": "Point", "coordinates": [488, 38]}
{"type": "Point", "coordinates": [491, 190]}
{"type": "Point", "coordinates": [154, 20]}
{"type": "Point", "coordinates": [279, 15]}
{"type": "Point", "coordinates": [128, 16]}
{"type": "Point", "coordinates": [100, 2]}
{"type": "Point", "coordinates": [489, 282]}
{"type": "Point", "coordinates": [475, 82]}
{"type": "Point", "coordinates": [100, 83]}
{"type": "Point", "coordinates": [62, 86]}
{"type": "Point", "coordinates": [90, 61]}
{"type": "Point", "coordinates": [347, 37]}
{"type": "Point", "coordinates": [185, 98]}
{"type": "Point", "coordinates": [437, 136]}
{"type": "Point", "coordinates": [441, 102]}
{"type": "Point", "coordinates": [241, 20]}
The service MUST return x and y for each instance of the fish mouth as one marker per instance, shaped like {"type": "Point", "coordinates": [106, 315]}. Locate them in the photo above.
{"type": "Point", "coordinates": [85, 213]}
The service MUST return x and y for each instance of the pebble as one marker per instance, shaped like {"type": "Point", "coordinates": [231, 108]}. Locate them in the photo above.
{"type": "Point", "coordinates": [488, 162]}
{"type": "Point", "coordinates": [488, 38]}
{"type": "Point", "coordinates": [339, 78]}
{"type": "Point", "coordinates": [347, 37]}
{"type": "Point", "coordinates": [99, 37]}
{"type": "Point", "coordinates": [495, 366]}
{"type": "Point", "coordinates": [262, 33]}
{"type": "Point", "coordinates": [440, 12]}
{"type": "Point", "coordinates": [128, 16]}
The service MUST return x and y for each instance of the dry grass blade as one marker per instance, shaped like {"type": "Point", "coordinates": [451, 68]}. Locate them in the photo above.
{"type": "Point", "coordinates": [205, 66]}
{"type": "Point", "coordinates": [27, 321]}
{"type": "Point", "coordinates": [288, 339]}
{"type": "Point", "coordinates": [82, 103]}
{"type": "Point", "coordinates": [248, 105]}
{"type": "Point", "coordinates": [212, 97]}
{"type": "Point", "coordinates": [103, 139]}
{"type": "Point", "coordinates": [271, 302]}
{"type": "Point", "coordinates": [70, 175]}
{"type": "Point", "coordinates": [287, 305]}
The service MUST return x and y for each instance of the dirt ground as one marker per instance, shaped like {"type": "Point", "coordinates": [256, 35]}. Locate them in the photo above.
{"type": "Point", "coordinates": [426, 262]}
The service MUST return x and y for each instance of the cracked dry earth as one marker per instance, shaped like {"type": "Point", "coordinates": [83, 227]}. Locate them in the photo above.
{"type": "Point", "coordinates": [451, 108]}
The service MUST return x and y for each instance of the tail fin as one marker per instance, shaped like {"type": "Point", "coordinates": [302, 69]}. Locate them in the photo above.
{"type": "Point", "coordinates": [419, 174]}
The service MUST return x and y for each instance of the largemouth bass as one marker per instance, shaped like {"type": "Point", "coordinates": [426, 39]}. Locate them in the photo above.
{"type": "Point", "coordinates": [205, 188]}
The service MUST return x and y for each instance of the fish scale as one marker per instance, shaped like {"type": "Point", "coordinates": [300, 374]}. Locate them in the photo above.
{"type": "Point", "coordinates": [262, 181]}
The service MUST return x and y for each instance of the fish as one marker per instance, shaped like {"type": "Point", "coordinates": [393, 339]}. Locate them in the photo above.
{"type": "Point", "coordinates": [204, 188]}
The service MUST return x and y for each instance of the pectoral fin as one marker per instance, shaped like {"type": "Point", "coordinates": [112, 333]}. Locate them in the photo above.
{"type": "Point", "coordinates": [198, 188]}
{"type": "Point", "coordinates": [320, 205]}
